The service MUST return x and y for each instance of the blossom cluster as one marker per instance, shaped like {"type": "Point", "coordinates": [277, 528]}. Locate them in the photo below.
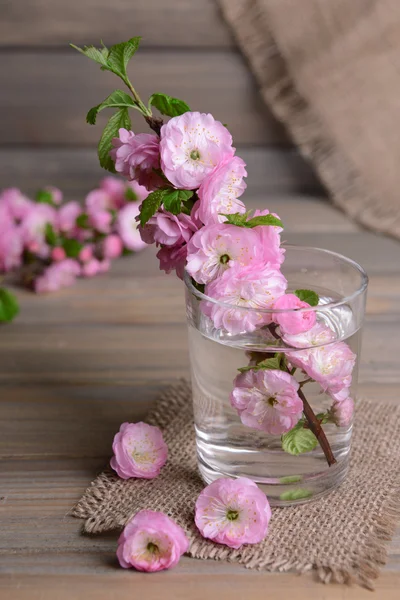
{"type": "Point", "coordinates": [228, 511]}
{"type": "Point", "coordinates": [52, 242]}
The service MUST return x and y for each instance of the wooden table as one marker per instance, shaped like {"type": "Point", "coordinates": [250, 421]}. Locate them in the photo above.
{"type": "Point", "coordinates": [77, 363]}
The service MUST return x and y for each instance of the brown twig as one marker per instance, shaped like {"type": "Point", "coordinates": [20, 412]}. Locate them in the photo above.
{"type": "Point", "coordinates": [313, 423]}
{"type": "Point", "coordinates": [317, 430]}
{"type": "Point", "coordinates": [155, 123]}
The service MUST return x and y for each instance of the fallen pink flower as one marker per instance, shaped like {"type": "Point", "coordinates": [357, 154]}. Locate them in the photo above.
{"type": "Point", "coordinates": [151, 542]}
{"type": "Point", "coordinates": [58, 254]}
{"type": "Point", "coordinates": [139, 451]}
{"type": "Point", "coordinates": [233, 512]}
{"type": "Point", "coordinates": [67, 215]}
{"type": "Point", "coordinates": [16, 202]}
{"type": "Point", "coordinates": [11, 247]}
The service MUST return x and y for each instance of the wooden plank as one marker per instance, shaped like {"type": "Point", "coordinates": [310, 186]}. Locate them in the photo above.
{"type": "Point", "coordinates": [178, 585]}
{"type": "Point", "coordinates": [42, 23]}
{"type": "Point", "coordinates": [63, 86]}
{"type": "Point", "coordinates": [271, 170]}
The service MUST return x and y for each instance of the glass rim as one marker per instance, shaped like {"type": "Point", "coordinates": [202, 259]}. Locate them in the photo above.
{"type": "Point", "coordinates": [320, 307]}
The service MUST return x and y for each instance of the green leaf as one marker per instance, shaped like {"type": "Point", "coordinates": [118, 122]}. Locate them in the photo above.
{"type": "Point", "coordinates": [50, 234]}
{"type": "Point", "coordinates": [238, 219]}
{"type": "Point", "coordinates": [173, 200]}
{"type": "Point", "coordinates": [118, 99]}
{"type": "Point", "coordinates": [8, 306]}
{"type": "Point", "coordinates": [120, 55]}
{"type": "Point", "coordinates": [299, 440]}
{"type": "Point", "coordinates": [268, 363]}
{"type": "Point", "coordinates": [297, 494]}
{"type": "Point", "coordinates": [130, 195]}
{"type": "Point", "coordinates": [72, 247]}
{"type": "Point", "coordinates": [151, 204]}
{"type": "Point", "coordinates": [82, 221]}
{"type": "Point", "coordinates": [290, 479]}
{"type": "Point", "coordinates": [264, 220]}
{"type": "Point", "coordinates": [323, 418]}
{"type": "Point", "coordinates": [172, 107]}
{"type": "Point", "coordinates": [44, 197]}
{"type": "Point", "coordinates": [308, 296]}
{"type": "Point", "coordinates": [99, 55]}
{"type": "Point", "coordinates": [118, 120]}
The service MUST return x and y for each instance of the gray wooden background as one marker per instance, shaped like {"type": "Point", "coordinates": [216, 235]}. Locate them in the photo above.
{"type": "Point", "coordinates": [187, 51]}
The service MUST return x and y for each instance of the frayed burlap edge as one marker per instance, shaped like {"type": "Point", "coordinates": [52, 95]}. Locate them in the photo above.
{"type": "Point", "coordinates": [250, 26]}
{"type": "Point", "coordinates": [102, 489]}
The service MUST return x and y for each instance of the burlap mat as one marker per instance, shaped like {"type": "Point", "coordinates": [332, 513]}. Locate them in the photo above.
{"type": "Point", "coordinates": [343, 536]}
{"type": "Point", "coordinates": [330, 71]}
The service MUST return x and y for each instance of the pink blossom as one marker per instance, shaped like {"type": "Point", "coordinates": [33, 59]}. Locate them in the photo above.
{"type": "Point", "coordinates": [86, 253]}
{"type": "Point", "coordinates": [104, 265]}
{"type": "Point", "coordinates": [150, 542]}
{"type": "Point", "coordinates": [56, 194]}
{"type": "Point", "coordinates": [137, 157]}
{"type": "Point", "coordinates": [192, 145]}
{"type": "Point", "coordinates": [11, 246]}
{"type": "Point", "coordinates": [293, 321]}
{"type": "Point", "coordinates": [91, 268]}
{"type": "Point", "coordinates": [267, 400]}
{"type": "Point", "coordinates": [233, 512]}
{"type": "Point", "coordinates": [67, 215]}
{"type": "Point", "coordinates": [168, 229]}
{"type": "Point", "coordinates": [173, 258]}
{"type": "Point", "coordinates": [58, 254]}
{"type": "Point", "coordinates": [6, 219]}
{"type": "Point", "coordinates": [331, 366]}
{"type": "Point", "coordinates": [341, 413]}
{"type": "Point", "coordinates": [254, 287]}
{"type": "Point", "coordinates": [215, 248]}
{"type": "Point", "coordinates": [16, 202]}
{"type": "Point", "coordinates": [139, 451]}
{"type": "Point", "coordinates": [116, 189]}
{"type": "Point", "coordinates": [319, 335]}
{"type": "Point", "coordinates": [57, 276]}
{"type": "Point", "coordinates": [99, 200]}
{"type": "Point", "coordinates": [127, 227]}
{"type": "Point", "coordinates": [271, 240]}
{"type": "Point", "coordinates": [33, 228]}
{"type": "Point", "coordinates": [112, 246]}
{"type": "Point", "coordinates": [220, 191]}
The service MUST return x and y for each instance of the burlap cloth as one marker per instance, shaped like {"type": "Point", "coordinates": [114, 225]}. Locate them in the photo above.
{"type": "Point", "coordinates": [330, 71]}
{"type": "Point", "coordinates": [343, 536]}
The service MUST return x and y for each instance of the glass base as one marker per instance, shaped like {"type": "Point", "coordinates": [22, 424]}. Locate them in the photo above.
{"type": "Point", "coordinates": [286, 490]}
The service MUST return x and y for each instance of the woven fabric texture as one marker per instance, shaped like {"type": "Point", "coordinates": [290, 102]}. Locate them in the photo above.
{"type": "Point", "coordinates": [330, 71]}
{"type": "Point", "coordinates": [343, 536]}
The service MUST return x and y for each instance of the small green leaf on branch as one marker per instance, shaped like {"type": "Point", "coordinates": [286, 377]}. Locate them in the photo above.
{"type": "Point", "coordinates": [151, 204]}
{"type": "Point", "coordinates": [299, 440]}
{"type": "Point", "coordinates": [44, 197]}
{"type": "Point", "coordinates": [8, 305]}
{"type": "Point", "coordinates": [308, 296]}
{"type": "Point", "coordinates": [120, 54]}
{"type": "Point", "coordinates": [172, 107]}
{"type": "Point", "coordinates": [268, 363]}
{"type": "Point", "coordinates": [242, 220]}
{"type": "Point", "coordinates": [173, 200]}
{"type": "Point", "coordinates": [82, 221]}
{"type": "Point", "coordinates": [118, 120]}
{"type": "Point", "coordinates": [72, 247]}
{"type": "Point", "coordinates": [118, 99]}
{"type": "Point", "coordinates": [50, 235]}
